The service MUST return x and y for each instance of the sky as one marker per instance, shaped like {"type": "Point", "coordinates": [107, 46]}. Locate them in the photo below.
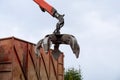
{"type": "Point", "coordinates": [94, 23]}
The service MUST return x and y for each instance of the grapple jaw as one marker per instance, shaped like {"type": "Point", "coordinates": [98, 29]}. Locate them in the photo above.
{"type": "Point", "coordinates": [71, 40]}
{"type": "Point", "coordinates": [57, 40]}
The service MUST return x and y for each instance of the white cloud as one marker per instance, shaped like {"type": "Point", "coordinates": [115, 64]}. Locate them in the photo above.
{"type": "Point", "coordinates": [99, 26]}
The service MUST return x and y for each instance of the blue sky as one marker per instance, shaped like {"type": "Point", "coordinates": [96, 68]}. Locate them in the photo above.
{"type": "Point", "coordinates": [95, 24]}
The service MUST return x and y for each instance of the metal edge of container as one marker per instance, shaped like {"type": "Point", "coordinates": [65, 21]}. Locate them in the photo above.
{"type": "Point", "coordinates": [12, 37]}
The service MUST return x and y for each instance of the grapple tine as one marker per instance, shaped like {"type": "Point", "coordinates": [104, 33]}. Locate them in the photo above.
{"type": "Point", "coordinates": [75, 47]}
{"type": "Point", "coordinates": [37, 47]}
{"type": "Point", "coordinates": [71, 40]}
{"type": "Point", "coordinates": [46, 44]}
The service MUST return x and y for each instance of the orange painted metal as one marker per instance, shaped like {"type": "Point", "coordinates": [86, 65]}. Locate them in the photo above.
{"type": "Point", "coordinates": [19, 62]}
{"type": "Point", "coordinates": [45, 6]}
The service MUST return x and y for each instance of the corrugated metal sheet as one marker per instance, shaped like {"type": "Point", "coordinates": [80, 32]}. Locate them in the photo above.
{"type": "Point", "coordinates": [19, 62]}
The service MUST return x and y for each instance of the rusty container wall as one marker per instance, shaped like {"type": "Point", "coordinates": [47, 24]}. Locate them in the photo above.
{"type": "Point", "coordinates": [19, 62]}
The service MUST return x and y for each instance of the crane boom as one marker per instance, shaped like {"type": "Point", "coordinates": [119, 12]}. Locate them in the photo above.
{"type": "Point", "coordinates": [45, 6]}
{"type": "Point", "coordinates": [52, 11]}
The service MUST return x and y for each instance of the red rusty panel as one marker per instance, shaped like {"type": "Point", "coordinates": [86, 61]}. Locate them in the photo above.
{"type": "Point", "coordinates": [19, 62]}
{"type": "Point", "coordinates": [5, 60]}
{"type": "Point", "coordinates": [31, 70]}
{"type": "Point", "coordinates": [5, 49]}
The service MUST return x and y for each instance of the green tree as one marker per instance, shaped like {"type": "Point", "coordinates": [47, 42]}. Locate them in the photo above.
{"type": "Point", "coordinates": [72, 74]}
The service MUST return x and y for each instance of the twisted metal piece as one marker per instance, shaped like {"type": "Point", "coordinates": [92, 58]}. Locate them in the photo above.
{"type": "Point", "coordinates": [60, 23]}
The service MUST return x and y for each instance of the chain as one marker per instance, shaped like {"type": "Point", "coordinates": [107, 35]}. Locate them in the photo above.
{"type": "Point", "coordinates": [59, 25]}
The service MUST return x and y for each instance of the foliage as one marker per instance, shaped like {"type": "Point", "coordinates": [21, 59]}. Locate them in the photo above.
{"type": "Point", "coordinates": [72, 74]}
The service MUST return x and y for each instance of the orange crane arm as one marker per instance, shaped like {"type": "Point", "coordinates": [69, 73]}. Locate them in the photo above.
{"type": "Point", "coordinates": [52, 11]}
{"type": "Point", "coordinates": [45, 6]}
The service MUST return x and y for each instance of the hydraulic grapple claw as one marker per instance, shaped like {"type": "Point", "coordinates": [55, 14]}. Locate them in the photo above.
{"type": "Point", "coordinates": [57, 40]}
